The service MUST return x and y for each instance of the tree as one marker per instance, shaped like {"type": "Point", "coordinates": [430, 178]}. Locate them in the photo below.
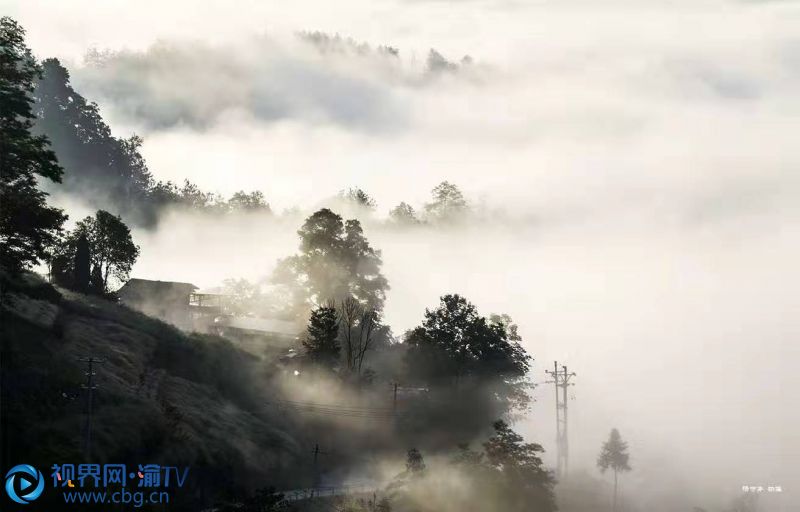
{"type": "Point", "coordinates": [404, 215]}
{"type": "Point", "coordinates": [357, 332]}
{"type": "Point", "coordinates": [321, 343]}
{"type": "Point", "coordinates": [522, 469]}
{"type": "Point", "coordinates": [614, 455]}
{"type": "Point", "coordinates": [448, 204]}
{"type": "Point", "coordinates": [512, 329]}
{"type": "Point", "coordinates": [111, 246]}
{"type": "Point", "coordinates": [248, 202]}
{"type": "Point", "coordinates": [455, 341]}
{"type": "Point", "coordinates": [106, 171]}
{"type": "Point", "coordinates": [358, 198]}
{"type": "Point", "coordinates": [82, 266]}
{"type": "Point", "coordinates": [436, 63]}
{"type": "Point", "coordinates": [415, 463]}
{"type": "Point", "coordinates": [335, 262]}
{"type": "Point", "coordinates": [27, 224]}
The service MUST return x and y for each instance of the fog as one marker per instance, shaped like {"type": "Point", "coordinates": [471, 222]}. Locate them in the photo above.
{"type": "Point", "coordinates": [633, 165]}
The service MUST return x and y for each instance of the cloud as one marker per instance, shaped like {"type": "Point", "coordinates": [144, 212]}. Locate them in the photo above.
{"type": "Point", "coordinates": [195, 85]}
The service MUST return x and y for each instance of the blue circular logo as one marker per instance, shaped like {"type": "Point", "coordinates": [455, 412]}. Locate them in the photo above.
{"type": "Point", "coordinates": [24, 479]}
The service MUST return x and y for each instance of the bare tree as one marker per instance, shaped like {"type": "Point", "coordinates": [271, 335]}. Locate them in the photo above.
{"type": "Point", "coordinates": [357, 329]}
{"type": "Point", "coordinates": [350, 311]}
{"type": "Point", "coordinates": [367, 325]}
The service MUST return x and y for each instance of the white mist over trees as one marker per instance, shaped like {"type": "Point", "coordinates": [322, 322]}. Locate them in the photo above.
{"type": "Point", "coordinates": [632, 227]}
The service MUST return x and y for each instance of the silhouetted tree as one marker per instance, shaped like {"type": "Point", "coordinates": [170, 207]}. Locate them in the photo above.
{"type": "Point", "coordinates": [106, 171]}
{"type": "Point", "coordinates": [455, 341]}
{"type": "Point", "coordinates": [335, 262]}
{"type": "Point", "coordinates": [530, 486]}
{"type": "Point", "coordinates": [448, 204]}
{"type": "Point", "coordinates": [82, 264]}
{"type": "Point", "coordinates": [415, 463]}
{"type": "Point", "coordinates": [321, 343]}
{"type": "Point", "coordinates": [357, 332]}
{"type": "Point", "coordinates": [27, 224]}
{"type": "Point", "coordinates": [111, 246]}
{"type": "Point", "coordinates": [614, 455]}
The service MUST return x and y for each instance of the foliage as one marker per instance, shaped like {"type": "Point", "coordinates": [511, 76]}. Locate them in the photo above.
{"type": "Point", "coordinates": [415, 463]}
{"type": "Point", "coordinates": [521, 467]}
{"type": "Point", "coordinates": [82, 264]}
{"type": "Point", "coordinates": [111, 248]}
{"type": "Point", "coordinates": [448, 205]}
{"type": "Point", "coordinates": [321, 343]}
{"type": "Point", "coordinates": [506, 475]}
{"type": "Point", "coordinates": [248, 202]}
{"type": "Point", "coordinates": [335, 262]}
{"type": "Point", "coordinates": [357, 332]}
{"type": "Point", "coordinates": [27, 224]}
{"type": "Point", "coordinates": [110, 172]}
{"type": "Point", "coordinates": [614, 454]}
{"type": "Point", "coordinates": [358, 198]}
{"type": "Point", "coordinates": [454, 341]}
{"type": "Point", "coordinates": [190, 400]}
{"type": "Point", "coordinates": [107, 171]}
{"type": "Point", "coordinates": [404, 215]}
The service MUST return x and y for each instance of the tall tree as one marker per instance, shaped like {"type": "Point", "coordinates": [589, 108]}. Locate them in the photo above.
{"type": "Point", "coordinates": [614, 455]}
{"type": "Point", "coordinates": [111, 246]}
{"type": "Point", "coordinates": [82, 264]}
{"type": "Point", "coordinates": [335, 262]}
{"type": "Point", "coordinates": [455, 341]}
{"type": "Point", "coordinates": [448, 204]}
{"type": "Point", "coordinates": [321, 342]}
{"type": "Point", "coordinates": [27, 224]}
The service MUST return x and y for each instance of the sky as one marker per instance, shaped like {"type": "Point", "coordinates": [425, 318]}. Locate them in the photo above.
{"type": "Point", "coordinates": [640, 157]}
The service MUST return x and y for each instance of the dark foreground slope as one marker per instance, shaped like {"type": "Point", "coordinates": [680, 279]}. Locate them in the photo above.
{"type": "Point", "coordinates": [163, 396]}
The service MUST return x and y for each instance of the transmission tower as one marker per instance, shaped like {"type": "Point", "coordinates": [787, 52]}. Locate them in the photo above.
{"type": "Point", "coordinates": [561, 379]}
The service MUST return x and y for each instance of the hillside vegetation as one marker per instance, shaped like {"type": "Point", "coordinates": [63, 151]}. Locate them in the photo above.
{"type": "Point", "coordinates": [162, 396]}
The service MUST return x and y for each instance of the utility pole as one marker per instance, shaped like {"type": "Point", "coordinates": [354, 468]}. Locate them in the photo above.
{"type": "Point", "coordinates": [89, 387]}
{"type": "Point", "coordinates": [561, 379]}
{"type": "Point", "coordinates": [394, 402]}
{"type": "Point", "coordinates": [316, 478]}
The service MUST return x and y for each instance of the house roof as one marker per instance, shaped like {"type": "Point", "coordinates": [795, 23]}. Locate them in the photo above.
{"type": "Point", "coordinates": [140, 288]}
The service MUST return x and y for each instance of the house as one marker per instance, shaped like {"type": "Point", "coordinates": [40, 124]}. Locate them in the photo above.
{"type": "Point", "coordinates": [166, 300]}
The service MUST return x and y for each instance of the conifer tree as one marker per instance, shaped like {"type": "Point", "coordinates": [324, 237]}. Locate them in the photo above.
{"type": "Point", "coordinates": [614, 455]}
